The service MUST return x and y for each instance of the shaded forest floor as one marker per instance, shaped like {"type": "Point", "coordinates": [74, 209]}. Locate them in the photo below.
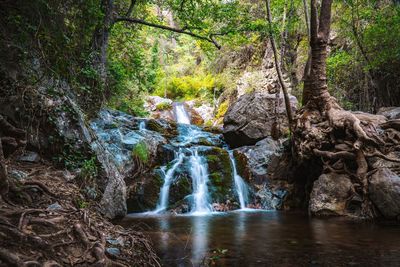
{"type": "Point", "coordinates": [51, 224]}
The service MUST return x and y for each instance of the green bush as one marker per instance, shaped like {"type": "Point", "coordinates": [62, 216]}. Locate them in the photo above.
{"type": "Point", "coordinates": [141, 152]}
{"type": "Point", "coordinates": [163, 106]}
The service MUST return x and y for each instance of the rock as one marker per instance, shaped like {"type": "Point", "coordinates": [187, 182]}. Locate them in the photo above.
{"type": "Point", "coordinates": [54, 206]}
{"type": "Point", "coordinates": [270, 199]}
{"type": "Point", "coordinates": [370, 118]}
{"type": "Point", "coordinates": [115, 242]}
{"type": "Point", "coordinates": [384, 192]}
{"type": "Point", "coordinates": [330, 195]}
{"type": "Point", "coordinates": [118, 144]}
{"type": "Point", "coordinates": [113, 251]}
{"type": "Point", "coordinates": [29, 156]}
{"type": "Point", "coordinates": [257, 159]}
{"type": "Point", "coordinates": [18, 175]}
{"type": "Point", "coordinates": [392, 113]}
{"type": "Point", "coordinates": [252, 118]}
{"type": "Point", "coordinates": [220, 173]}
{"type": "Point", "coordinates": [159, 108]}
{"type": "Point", "coordinates": [204, 110]}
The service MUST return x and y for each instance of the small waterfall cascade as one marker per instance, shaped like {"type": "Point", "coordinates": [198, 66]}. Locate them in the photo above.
{"type": "Point", "coordinates": [181, 115]}
{"type": "Point", "coordinates": [168, 178]}
{"type": "Point", "coordinates": [241, 187]}
{"type": "Point", "coordinates": [198, 171]}
{"type": "Point", "coordinates": [142, 125]}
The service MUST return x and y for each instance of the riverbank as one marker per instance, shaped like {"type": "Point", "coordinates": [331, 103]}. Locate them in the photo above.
{"type": "Point", "coordinates": [51, 223]}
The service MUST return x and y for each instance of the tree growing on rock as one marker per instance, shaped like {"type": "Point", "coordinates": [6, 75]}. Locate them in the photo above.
{"type": "Point", "coordinates": [323, 129]}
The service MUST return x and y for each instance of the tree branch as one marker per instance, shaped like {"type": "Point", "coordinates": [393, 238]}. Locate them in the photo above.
{"type": "Point", "coordinates": [163, 27]}
{"type": "Point", "coordinates": [130, 9]}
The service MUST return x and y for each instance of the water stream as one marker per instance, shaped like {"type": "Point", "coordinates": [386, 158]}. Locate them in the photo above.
{"type": "Point", "coordinates": [198, 171]}
{"type": "Point", "coordinates": [241, 187]}
{"type": "Point", "coordinates": [168, 178]}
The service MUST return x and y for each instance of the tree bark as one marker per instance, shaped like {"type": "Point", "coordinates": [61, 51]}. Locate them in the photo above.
{"type": "Point", "coordinates": [278, 68]}
{"type": "Point", "coordinates": [319, 37]}
{"type": "Point", "coordinates": [100, 40]}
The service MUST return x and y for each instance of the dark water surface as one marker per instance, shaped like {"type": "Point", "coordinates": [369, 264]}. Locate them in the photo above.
{"type": "Point", "coordinates": [269, 239]}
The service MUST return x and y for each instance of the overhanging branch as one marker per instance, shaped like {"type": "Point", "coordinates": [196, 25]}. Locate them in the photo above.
{"type": "Point", "coordinates": [164, 27]}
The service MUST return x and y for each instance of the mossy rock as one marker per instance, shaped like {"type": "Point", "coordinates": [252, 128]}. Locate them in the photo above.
{"type": "Point", "coordinates": [220, 173]}
{"type": "Point", "coordinates": [165, 128]}
{"type": "Point", "coordinates": [242, 165]}
{"type": "Point", "coordinates": [181, 188]}
{"type": "Point", "coordinates": [143, 195]}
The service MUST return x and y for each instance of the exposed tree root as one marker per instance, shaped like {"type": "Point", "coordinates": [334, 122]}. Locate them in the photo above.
{"type": "Point", "coordinates": [338, 136]}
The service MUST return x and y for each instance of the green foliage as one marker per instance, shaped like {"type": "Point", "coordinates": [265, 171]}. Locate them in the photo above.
{"type": "Point", "coordinates": [89, 170]}
{"type": "Point", "coordinates": [190, 87]}
{"type": "Point", "coordinates": [222, 109]}
{"type": "Point", "coordinates": [141, 152]}
{"type": "Point", "coordinates": [163, 106]}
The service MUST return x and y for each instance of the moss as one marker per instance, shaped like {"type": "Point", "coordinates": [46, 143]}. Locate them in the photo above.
{"type": "Point", "coordinates": [242, 165]}
{"type": "Point", "coordinates": [222, 109]}
{"type": "Point", "coordinates": [141, 152]}
{"type": "Point", "coordinates": [220, 173]}
{"type": "Point", "coordinates": [163, 106]}
{"type": "Point", "coordinates": [168, 130]}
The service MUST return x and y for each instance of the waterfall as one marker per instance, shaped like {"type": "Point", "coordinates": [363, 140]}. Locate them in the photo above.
{"type": "Point", "coordinates": [181, 115]}
{"type": "Point", "coordinates": [168, 178]}
{"type": "Point", "coordinates": [240, 186]}
{"type": "Point", "coordinates": [198, 171]}
{"type": "Point", "coordinates": [142, 125]}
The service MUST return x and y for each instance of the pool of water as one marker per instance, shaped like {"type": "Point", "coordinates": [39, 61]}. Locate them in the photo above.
{"type": "Point", "coordinates": [269, 239]}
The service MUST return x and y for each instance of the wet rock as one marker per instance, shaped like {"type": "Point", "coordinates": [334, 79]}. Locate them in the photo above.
{"type": "Point", "coordinates": [18, 175]}
{"type": "Point", "coordinates": [29, 156]}
{"type": "Point", "coordinates": [384, 192]}
{"type": "Point", "coordinates": [220, 173]}
{"type": "Point", "coordinates": [256, 159]}
{"type": "Point", "coordinates": [252, 118]}
{"type": "Point", "coordinates": [270, 199]}
{"type": "Point", "coordinates": [392, 113]}
{"type": "Point", "coordinates": [330, 195]}
{"type": "Point", "coordinates": [169, 129]}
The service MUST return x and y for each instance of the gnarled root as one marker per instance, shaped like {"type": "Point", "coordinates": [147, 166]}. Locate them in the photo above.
{"type": "Point", "coordinates": [335, 135]}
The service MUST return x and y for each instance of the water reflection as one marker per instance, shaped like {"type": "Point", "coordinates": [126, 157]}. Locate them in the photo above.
{"type": "Point", "coordinates": [271, 238]}
{"type": "Point", "coordinates": [200, 228]}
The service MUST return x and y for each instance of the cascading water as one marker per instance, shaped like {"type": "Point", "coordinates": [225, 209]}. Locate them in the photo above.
{"type": "Point", "coordinates": [181, 114]}
{"type": "Point", "coordinates": [198, 171]}
{"type": "Point", "coordinates": [242, 189]}
{"type": "Point", "coordinates": [168, 178]}
{"type": "Point", "coordinates": [142, 125]}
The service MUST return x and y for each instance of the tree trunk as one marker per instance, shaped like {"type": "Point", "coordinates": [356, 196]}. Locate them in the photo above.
{"type": "Point", "coordinates": [278, 68]}
{"type": "Point", "coordinates": [319, 37]}
{"type": "Point", "coordinates": [100, 40]}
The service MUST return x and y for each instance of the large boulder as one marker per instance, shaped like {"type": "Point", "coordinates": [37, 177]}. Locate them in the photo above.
{"type": "Point", "coordinates": [384, 192]}
{"type": "Point", "coordinates": [254, 117]}
{"type": "Point", "coordinates": [330, 195]}
{"type": "Point", "coordinates": [257, 159]}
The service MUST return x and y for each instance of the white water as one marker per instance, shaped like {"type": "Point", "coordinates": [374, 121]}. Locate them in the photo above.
{"type": "Point", "coordinates": [242, 189]}
{"type": "Point", "coordinates": [198, 172]}
{"type": "Point", "coordinates": [168, 178]}
{"type": "Point", "coordinates": [181, 114]}
{"type": "Point", "coordinates": [142, 125]}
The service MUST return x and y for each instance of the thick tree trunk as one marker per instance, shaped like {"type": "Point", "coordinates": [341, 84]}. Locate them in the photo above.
{"type": "Point", "coordinates": [319, 42]}
{"type": "Point", "coordinates": [100, 40]}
